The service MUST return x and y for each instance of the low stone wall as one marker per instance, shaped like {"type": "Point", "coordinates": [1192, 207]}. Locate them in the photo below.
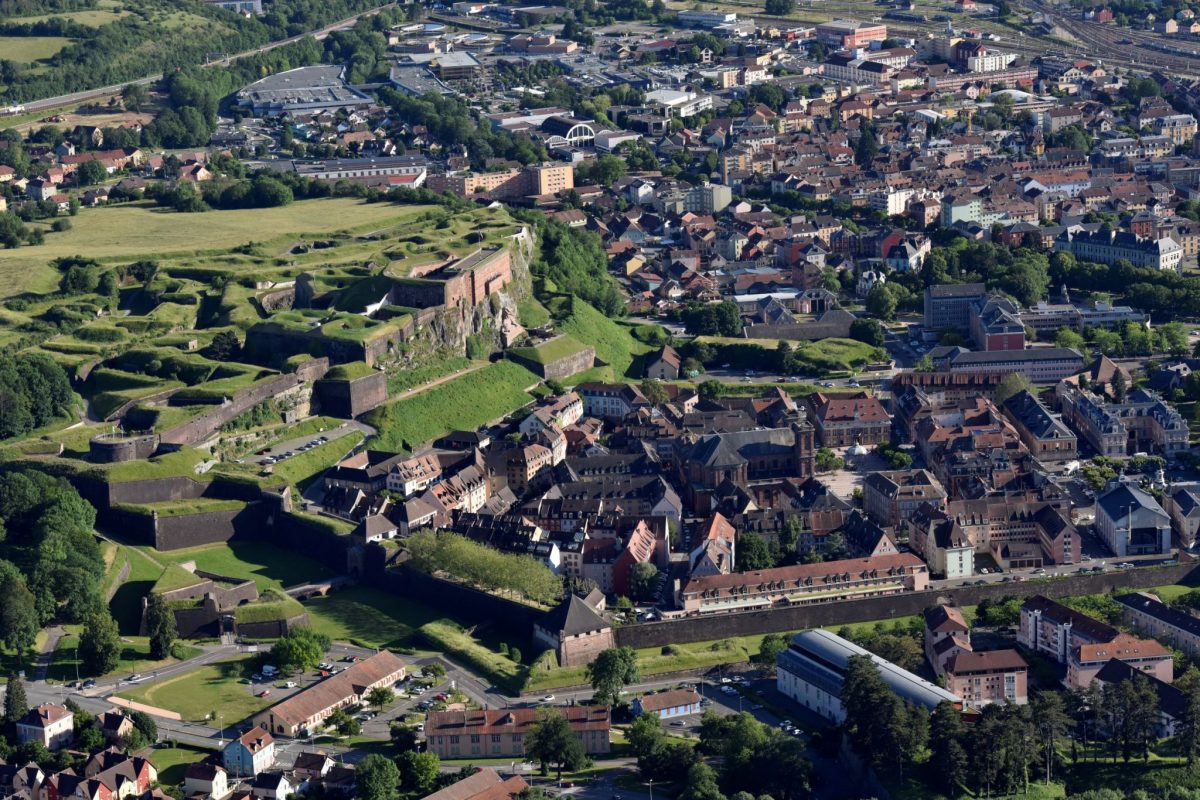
{"type": "Point", "coordinates": [824, 615]}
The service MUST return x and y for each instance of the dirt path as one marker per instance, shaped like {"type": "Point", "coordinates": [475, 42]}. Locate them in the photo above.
{"type": "Point", "coordinates": [437, 382]}
{"type": "Point", "coordinates": [41, 664]}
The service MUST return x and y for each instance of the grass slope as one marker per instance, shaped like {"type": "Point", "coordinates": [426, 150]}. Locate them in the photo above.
{"type": "Point", "coordinates": [269, 566]}
{"type": "Point", "coordinates": [129, 231]}
{"type": "Point", "coordinates": [464, 403]}
{"type": "Point", "coordinates": [27, 49]}
{"type": "Point", "coordinates": [614, 344]}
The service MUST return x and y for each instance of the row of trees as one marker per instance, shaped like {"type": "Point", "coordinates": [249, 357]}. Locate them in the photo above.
{"type": "Point", "coordinates": [442, 551]}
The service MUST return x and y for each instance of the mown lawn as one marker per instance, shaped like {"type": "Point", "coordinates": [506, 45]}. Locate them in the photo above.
{"type": "Point", "coordinates": [135, 657]}
{"type": "Point", "coordinates": [465, 403]}
{"type": "Point", "coordinates": [265, 564]}
{"type": "Point", "coordinates": [212, 687]}
{"type": "Point", "coordinates": [172, 762]}
{"type": "Point", "coordinates": [368, 617]}
{"type": "Point", "coordinates": [303, 468]}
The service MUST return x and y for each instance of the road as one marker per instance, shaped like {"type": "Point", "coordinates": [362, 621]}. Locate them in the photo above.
{"type": "Point", "coordinates": [48, 103]}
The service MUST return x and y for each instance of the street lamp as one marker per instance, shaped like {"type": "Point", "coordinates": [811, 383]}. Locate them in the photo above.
{"type": "Point", "coordinates": [651, 788]}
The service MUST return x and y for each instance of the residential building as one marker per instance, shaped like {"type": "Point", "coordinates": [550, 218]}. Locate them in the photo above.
{"type": "Point", "coordinates": [1042, 431]}
{"type": "Point", "coordinates": [1084, 661]}
{"type": "Point", "coordinates": [664, 364]}
{"type": "Point", "coordinates": [304, 712]}
{"type": "Point", "coordinates": [1182, 503]}
{"type": "Point", "coordinates": [891, 498]}
{"type": "Point", "coordinates": [206, 780]}
{"type": "Point", "coordinates": [843, 420]}
{"type": "Point", "coordinates": [946, 633]}
{"type": "Point", "coordinates": [667, 705]}
{"type": "Point", "coordinates": [1054, 630]}
{"type": "Point", "coordinates": [1172, 704]}
{"type": "Point", "coordinates": [1144, 422]}
{"type": "Point", "coordinates": [1130, 521]}
{"type": "Point", "coordinates": [1151, 617]}
{"type": "Point", "coordinates": [250, 753]}
{"type": "Point", "coordinates": [988, 676]}
{"type": "Point", "coordinates": [813, 668]}
{"type": "Point", "coordinates": [483, 784]}
{"type": "Point", "coordinates": [52, 726]}
{"type": "Point", "coordinates": [272, 785]}
{"type": "Point", "coordinates": [501, 732]}
{"type": "Point", "coordinates": [804, 583]}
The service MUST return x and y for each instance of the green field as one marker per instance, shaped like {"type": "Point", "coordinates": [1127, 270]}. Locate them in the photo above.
{"type": "Point", "coordinates": [464, 403]}
{"type": "Point", "coordinates": [140, 231]}
{"type": "Point", "coordinates": [265, 564]}
{"type": "Point", "coordinates": [212, 687]}
{"type": "Point", "coordinates": [172, 762]}
{"type": "Point", "coordinates": [134, 657]}
{"type": "Point", "coordinates": [271, 605]}
{"type": "Point", "coordinates": [27, 49]}
{"type": "Point", "coordinates": [654, 661]}
{"type": "Point", "coordinates": [301, 469]}
{"type": "Point", "coordinates": [405, 379]}
{"type": "Point", "coordinates": [368, 617]}
{"type": "Point", "coordinates": [92, 17]}
{"type": "Point", "coordinates": [180, 508]}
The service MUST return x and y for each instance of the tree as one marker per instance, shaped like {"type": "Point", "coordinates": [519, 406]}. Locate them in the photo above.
{"type": "Point", "coordinates": [1130, 710]}
{"type": "Point", "coordinates": [644, 580]}
{"type": "Point", "coordinates": [1188, 734]}
{"type": "Point", "coordinates": [1119, 386]}
{"type": "Point", "coordinates": [772, 645]}
{"type": "Point", "coordinates": [551, 742]}
{"type": "Point", "coordinates": [701, 784]}
{"type": "Point", "coordinates": [947, 738]}
{"type": "Point", "coordinates": [1067, 337]}
{"type": "Point", "coordinates": [380, 696]}
{"type": "Point", "coordinates": [160, 625]}
{"type": "Point", "coordinates": [1013, 383]}
{"type": "Point", "coordinates": [1050, 721]}
{"type": "Point", "coordinates": [144, 727]}
{"type": "Point", "coordinates": [654, 391]}
{"type": "Point", "coordinates": [867, 147]}
{"type": "Point", "coordinates": [710, 390]}
{"type": "Point", "coordinates": [612, 670]}
{"type": "Point", "coordinates": [881, 302]}
{"type": "Point", "coordinates": [19, 622]}
{"type": "Point", "coordinates": [225, 346]}
{"type": "Point", "coordinates": [134, 96]}
{"type": "Point", "coordinates": [300, 650]}
{"type": "Point", "coordinates": [90, 173]}
{"type": "Point", "coordinates": [420, 771]}
{"type": "Point", "coordinates": [99, 644]}
{"type": "Point", "coordinates": [15, 703]}
{"type": "Point", "coordinates": [753, 554]}
{"type": "Point", "coordinates": [868, 331]}
{"type": "Point", "coordinates": [828, 461]}
{"type": "Point", "coordinates": [780, 8]}
{"type": "Point", "coordinates": [377, 778]}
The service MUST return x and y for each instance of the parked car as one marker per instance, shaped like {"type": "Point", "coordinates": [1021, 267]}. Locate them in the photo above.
{"type": "Point", "coordinates": [548, 698]}
{"type": "Point", "coordinates": [290, 685]}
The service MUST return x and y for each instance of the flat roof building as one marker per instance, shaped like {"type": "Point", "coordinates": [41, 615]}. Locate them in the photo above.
{"type": "Point", "coordinates": [321, 88]}
{"type": "Point", "coordinates": [812, 669]}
